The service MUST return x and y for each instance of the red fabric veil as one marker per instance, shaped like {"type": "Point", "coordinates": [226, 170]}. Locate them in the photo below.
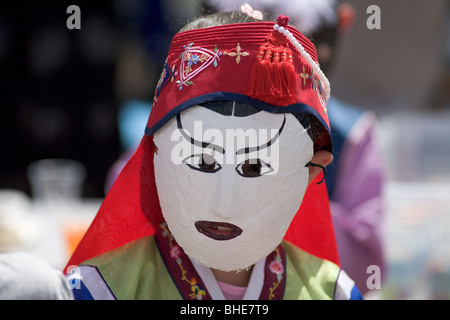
{"type": "Point", "coordinates": [248, 63]}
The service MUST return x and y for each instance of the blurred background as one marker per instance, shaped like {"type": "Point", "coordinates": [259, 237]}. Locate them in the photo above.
{"type": "Point", "coordinates": [71, 100]}
{"type": "Point", "coordinates": [402, 73]}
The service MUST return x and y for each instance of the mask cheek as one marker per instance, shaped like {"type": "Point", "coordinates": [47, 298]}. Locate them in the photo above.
{"type": "Point", "coordinates": [183, 197]}
{"type": "Point", "coordinates": [268, 207]}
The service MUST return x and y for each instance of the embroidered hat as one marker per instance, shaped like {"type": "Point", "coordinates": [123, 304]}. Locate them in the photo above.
{"type": "Point", "coordinates": [272, 67]}
{"type": "Point", "coordinates": [269, 66]}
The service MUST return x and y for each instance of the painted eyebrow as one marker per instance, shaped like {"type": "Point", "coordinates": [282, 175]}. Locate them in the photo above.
{"type": "Point", "coordinates": [266, 145]}
{"type": "Point", "coordinates": [196, 142]}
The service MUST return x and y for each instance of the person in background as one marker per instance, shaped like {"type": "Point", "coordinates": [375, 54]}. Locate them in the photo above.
{"type": "Point", "coordinates": [356, 177]}
{"type": "Point", "coordinates": [26, 277]}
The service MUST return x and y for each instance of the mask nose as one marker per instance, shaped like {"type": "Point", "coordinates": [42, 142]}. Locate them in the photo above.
{"type": "Point", "coordinates": [225, 200]}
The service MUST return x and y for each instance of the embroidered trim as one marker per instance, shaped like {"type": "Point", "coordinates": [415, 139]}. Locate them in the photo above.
{"type": "Point", "coordinates": [274, 279]}
{"type": "Point", "coordinates": [193, 61]}
{"type": "Point", "coordinates": [185, 276]}
{"type": "Point", "coordinates": [311, 81]}
{"type": "Point", "coordinates": [168, 74]}
{"type": "Point", "coordinates": [238, 53]}
{"type": "Point", "coordinates": [181, 270]}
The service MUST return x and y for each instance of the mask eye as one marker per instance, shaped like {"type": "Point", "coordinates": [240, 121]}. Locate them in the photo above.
{"type": "Point", "coordinates": [252, 168]}
{"type": "Point", "coordinates": [202, 162]}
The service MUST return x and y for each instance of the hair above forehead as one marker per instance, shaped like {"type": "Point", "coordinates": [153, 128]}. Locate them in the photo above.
{"type": "Point", "coordinates": [309, 16]}
{"type": "Point", "coordinates": [219, 19]}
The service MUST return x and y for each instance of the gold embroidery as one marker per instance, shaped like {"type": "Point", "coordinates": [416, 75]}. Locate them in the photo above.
{"type": "Point", "coordinates": [175, 252]}
{"type": "Point", "coordinates": [304, 76]}
{"type": "Point", "coordinates": [238, 54]}
{"type": "Point", "coordinates": [276, 267]}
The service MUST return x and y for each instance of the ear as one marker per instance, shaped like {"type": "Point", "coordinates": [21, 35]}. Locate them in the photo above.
{"type": "Point", "coordinates": [321, 157]}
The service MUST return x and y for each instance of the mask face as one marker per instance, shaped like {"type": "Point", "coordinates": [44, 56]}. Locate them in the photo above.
{"type": "Point", "coordinates": [229, 186]}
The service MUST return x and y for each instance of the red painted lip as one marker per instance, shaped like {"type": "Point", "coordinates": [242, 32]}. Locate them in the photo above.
{"type": "Point", "coordinates": [218, 230]}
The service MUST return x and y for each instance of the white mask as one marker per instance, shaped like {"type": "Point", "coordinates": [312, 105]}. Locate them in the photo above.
{"type": "Point", "coordinates": [232, 215]}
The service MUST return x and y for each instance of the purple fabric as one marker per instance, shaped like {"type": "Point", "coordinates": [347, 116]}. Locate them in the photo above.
{"type": "Point", "coordinates": [357, 202]}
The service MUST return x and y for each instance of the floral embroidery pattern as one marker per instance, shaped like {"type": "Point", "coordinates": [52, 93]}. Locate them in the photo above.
{"type": "Point", "coordinates": [277, 268]}
{"type": "Point", "coordinates": [168, 74]}
{"type": "Point", "coordinates": [238, 53]}
{"type": "Point", "coordinates": [193, 61]}
{"type": "Point", "coordinates": [191, 285]}
{"type": "Point", "coordinates": [305, 76]}
{"type": "Point", "coordinates": [312, 81]}
{"type": "Point", "coordinates": [196, 289]}
{"type": "Point", "coordinates": [175, 253]}
{"type": "Point", "coordinates": [197, 292]}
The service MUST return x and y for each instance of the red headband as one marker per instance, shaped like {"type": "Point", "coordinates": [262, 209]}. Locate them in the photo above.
{"type": "Point", "coordinates": [249, 63]}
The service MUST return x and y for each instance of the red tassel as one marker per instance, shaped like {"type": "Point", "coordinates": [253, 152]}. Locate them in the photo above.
{"type": "Point", "coordinates": [273, 79]}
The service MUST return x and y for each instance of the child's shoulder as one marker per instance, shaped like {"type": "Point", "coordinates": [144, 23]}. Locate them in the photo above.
{"type": "Point", "coordinates": [310, 277]}
{"type": "Point", "coordinates": [128, 272]}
